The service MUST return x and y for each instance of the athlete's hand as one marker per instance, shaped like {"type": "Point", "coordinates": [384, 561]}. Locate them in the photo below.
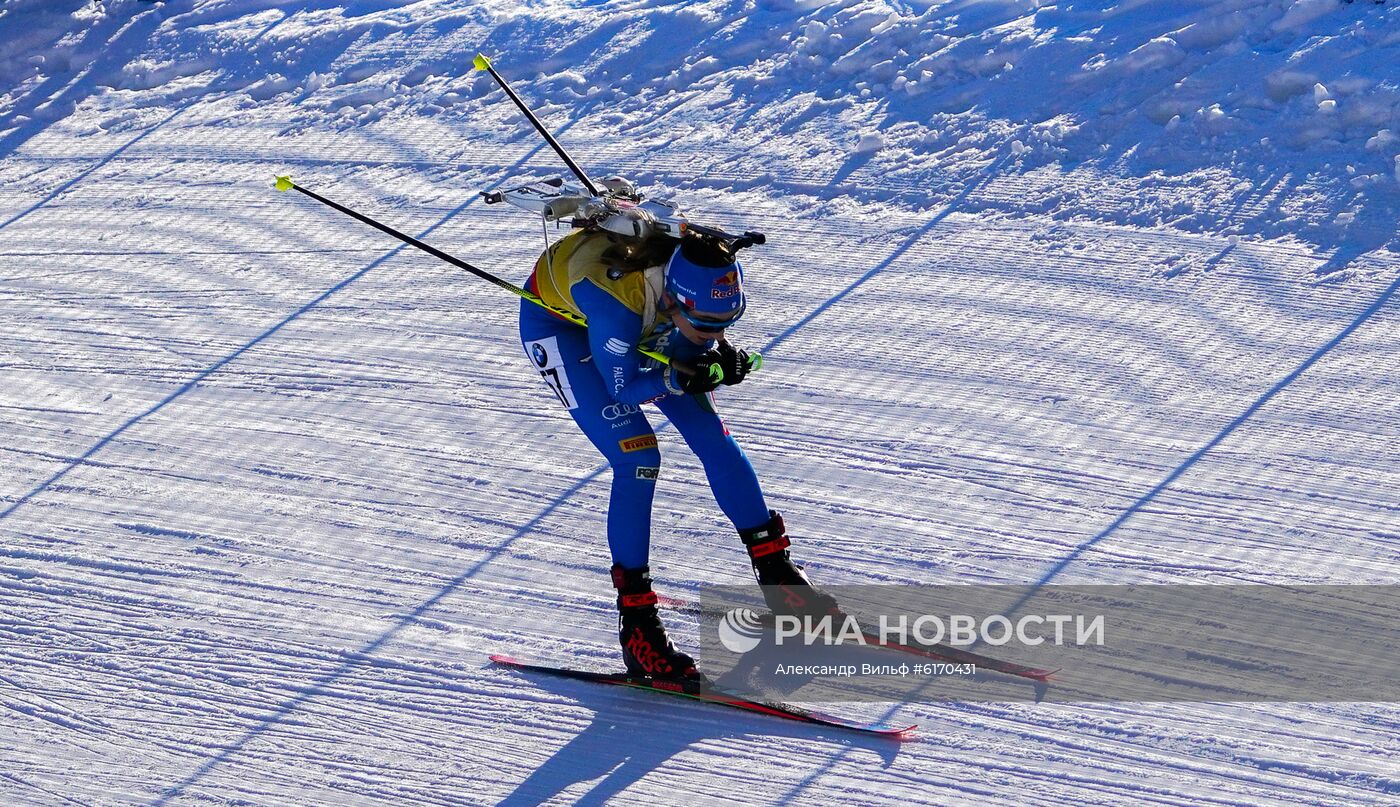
{"type": "Point", "coordinates": [734, 363]}
{"type": "Point", "coordinates": [706, 376]}
{"type": "Point", "coordinates": [724, 364]}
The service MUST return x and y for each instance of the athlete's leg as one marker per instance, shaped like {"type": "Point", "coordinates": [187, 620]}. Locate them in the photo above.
{"type": "Point", "coordinates": [731, 475]}
{"type": "Point", "coordinates": [785, 586]}
{"type": "Point", "coordinates": [559, 352]}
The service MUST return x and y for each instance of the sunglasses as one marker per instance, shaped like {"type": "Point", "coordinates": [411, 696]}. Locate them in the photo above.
{"type": "Point", "coordinates": [707, 325]}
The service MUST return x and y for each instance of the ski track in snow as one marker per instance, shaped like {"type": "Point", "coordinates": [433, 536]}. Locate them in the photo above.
{"type": "Point", "coordinates": [256, 550]}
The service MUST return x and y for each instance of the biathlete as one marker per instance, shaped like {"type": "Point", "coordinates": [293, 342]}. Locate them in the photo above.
{"type": "Point", "coordinates": [676, 299]}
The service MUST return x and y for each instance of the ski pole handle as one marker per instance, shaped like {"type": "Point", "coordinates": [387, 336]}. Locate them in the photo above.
{"type": "Point", "coordinates": [714, 372]}
{"type": "Point", "coordinates": [755, 360]}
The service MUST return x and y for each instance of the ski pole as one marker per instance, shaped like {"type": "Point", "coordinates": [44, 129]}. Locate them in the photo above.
{"type": "Point", "coordinates": [483, 63]}
{"type": "Point", "coordinates": [284, 183]}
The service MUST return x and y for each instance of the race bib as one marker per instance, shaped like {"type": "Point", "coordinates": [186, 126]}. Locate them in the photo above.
{"type": "Point", "coordinates": [545, 355]}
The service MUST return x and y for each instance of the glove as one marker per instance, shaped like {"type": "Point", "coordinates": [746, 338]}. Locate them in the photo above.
{"type": "Point", "coordinates": [704, 379]}
{"type": "Point", "coordinates": [735, 363]}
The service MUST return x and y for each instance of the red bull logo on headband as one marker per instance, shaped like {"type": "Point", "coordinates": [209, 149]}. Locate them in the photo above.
{"type": "Point", "coordinates": [726, 286]}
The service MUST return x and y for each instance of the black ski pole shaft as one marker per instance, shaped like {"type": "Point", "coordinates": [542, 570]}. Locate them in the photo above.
{"type": "Point", "coordinates": [285, 183]}
{"type": "Point", "coordinates": [483, 63]}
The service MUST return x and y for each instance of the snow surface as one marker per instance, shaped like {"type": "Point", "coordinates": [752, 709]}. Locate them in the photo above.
{"type": "Point", "coordinates": [1076, 292]}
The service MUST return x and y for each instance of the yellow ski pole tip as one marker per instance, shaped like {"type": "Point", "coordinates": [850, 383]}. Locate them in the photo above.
{"type": "Point", "coordinates": [481, 62]}
{"type": "Point", "coordinates": [284, 183]}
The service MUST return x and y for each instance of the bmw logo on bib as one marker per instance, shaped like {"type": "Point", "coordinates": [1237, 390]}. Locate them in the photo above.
{"type": "Point", "coordinates": [540, 354]}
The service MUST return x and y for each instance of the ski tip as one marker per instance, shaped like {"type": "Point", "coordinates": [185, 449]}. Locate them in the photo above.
{"type": "Point", "coordinates": [503, 659]}
{"type": "Point", "coordinates": [481, 62]}
{"type": "Point", "coordinates": [284, 182]}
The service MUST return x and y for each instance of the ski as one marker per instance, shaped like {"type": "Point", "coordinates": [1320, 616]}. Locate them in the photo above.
{"type": "Point", "coordinates": [709, 694]}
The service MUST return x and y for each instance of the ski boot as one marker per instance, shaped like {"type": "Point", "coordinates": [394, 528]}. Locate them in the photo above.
{"type": "Point", "coordinates": [785, 586]}
{"type": "Point", "coordinates": [645, 647]}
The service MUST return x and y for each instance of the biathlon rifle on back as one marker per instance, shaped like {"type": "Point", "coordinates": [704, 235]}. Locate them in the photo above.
{"type": "Point", "coordinates": [612, 204]}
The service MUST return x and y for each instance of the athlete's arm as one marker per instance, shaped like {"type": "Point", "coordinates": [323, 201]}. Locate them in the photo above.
{"type": "Point", "coordinates": [613, 331]}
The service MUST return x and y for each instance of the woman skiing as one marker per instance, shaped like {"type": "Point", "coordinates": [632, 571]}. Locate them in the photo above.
{"type": "Point", "coordinates": [674, 298]}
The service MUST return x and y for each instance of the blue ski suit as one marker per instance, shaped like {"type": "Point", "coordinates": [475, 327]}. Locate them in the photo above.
{"type": "Point", "coordinates": [597, 374]}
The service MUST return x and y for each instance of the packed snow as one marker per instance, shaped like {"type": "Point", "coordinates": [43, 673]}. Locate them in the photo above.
{"type": "Point", "coordinates": [1077, 292]}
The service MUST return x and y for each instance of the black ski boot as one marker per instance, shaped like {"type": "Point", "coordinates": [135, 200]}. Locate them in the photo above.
{"type": "Point", "coordinates": [645, 647]}
{"type": "Point", "coordinates": [785, 586]}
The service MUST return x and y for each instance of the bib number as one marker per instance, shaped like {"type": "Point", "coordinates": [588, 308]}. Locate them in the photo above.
{"type": "Point", "coordinates": [544, 353]}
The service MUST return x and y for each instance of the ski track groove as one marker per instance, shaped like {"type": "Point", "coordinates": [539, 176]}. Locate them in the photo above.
{"type": "Point", "coordinates": [1236, 769]}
